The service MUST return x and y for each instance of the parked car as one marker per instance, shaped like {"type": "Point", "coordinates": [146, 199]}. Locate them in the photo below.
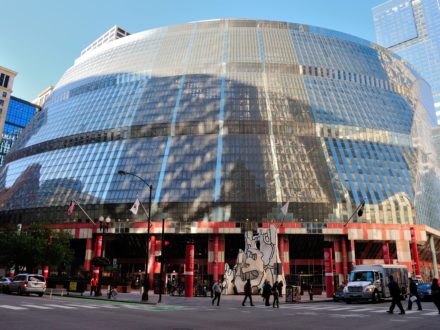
{"type": "Point", "coordinates": [27, 284]}
{"type": "Point", "coordinates": [424, 291]}
{"type": "Point", "coordinates": [339, 294]}
{"type": "Point", "coordinates": [4, 284]}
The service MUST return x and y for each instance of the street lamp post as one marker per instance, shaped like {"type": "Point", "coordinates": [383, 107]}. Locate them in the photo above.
{"type": "Point", "coordinates": [147, 249]}
{"type": "Point", "coordinates": [104, 225]}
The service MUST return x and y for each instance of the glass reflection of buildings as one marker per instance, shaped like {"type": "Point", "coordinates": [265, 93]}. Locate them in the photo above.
{"type": "Point", "coordinates": [19, 113]}
{"type": "Point", "coordinates": [411, 29]}
{"type": "Point", "coordinates": [229, 120]}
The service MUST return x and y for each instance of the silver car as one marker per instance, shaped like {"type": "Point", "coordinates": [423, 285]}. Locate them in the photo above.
{"type": "Point", "coordinates": [27, 284]}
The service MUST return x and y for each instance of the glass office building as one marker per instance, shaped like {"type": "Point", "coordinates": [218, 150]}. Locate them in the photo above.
{"type": "Point", "coordinates": [411, 28]}
{"type": "Point", "coordinates": [229, 120]}
{"type": "Point", "coordinates": [19, 113]}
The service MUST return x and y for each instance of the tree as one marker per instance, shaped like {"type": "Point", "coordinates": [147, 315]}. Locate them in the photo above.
{"type": "Point", "coordinates": [36, 245]}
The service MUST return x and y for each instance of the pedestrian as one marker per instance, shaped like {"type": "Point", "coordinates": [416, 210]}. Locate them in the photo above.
{"type": "Point", "coordinates": [217, 292]}
{"type": "Point", "coordinates": [413, 295]}
{"type": "Point", "coordinates": [395, 295]}
{"type": "Point", "coordinates": [93, 285]}
{"type": "Point", "coordinates": [275, 295]}
{"type": "Point", "coordinates": [266, 293]}
{"type": "Point", "coordinates": [435, 293]}
{"type": "Point", "coordinates": [247, 292]}
{"type": "Point", "coordinates": [280, 288]}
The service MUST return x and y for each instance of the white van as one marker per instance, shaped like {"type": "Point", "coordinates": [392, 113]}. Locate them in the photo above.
{"type": "Point", "coordinates": [370, 282]}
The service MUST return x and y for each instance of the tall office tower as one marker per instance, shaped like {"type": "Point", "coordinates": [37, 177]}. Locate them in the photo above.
{"type": "Point", "coordinates": [6, 82]}
{"type": "Point", "coordinates": [411, 28]}
{"type": "Point", "coordinates": [19, 114]}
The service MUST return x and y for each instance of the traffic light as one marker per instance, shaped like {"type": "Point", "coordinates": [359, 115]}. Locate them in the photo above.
{"type": "Point", "coordinates": [166, 243]}
{"type": "Point", "coordinates": [361, 209]}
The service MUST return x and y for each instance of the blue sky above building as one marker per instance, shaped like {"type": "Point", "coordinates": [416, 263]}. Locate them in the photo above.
{"type": "Point", "coordinates": [43, 38]}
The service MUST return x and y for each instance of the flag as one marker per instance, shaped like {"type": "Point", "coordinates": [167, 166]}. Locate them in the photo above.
{"type": "Point", "coordinates": [135, 208]}
{"type": "Point", "coordinates": [285, 208]}
{"type": "Point", "coordinates": [71, 207]}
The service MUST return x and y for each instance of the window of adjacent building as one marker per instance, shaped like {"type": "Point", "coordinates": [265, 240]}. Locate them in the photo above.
{"type": "Point", "coordinates": [5, 94]}
{"type": "Point", "coordinates": [2, 78]}
{"type": "Point", "coordinates": [6, 81]}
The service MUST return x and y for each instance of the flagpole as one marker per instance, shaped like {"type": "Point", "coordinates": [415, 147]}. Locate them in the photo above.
{"type": "Point", "coordinates": [76, 202]}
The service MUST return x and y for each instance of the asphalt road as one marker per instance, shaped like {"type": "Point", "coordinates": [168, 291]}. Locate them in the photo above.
{"type": "Point", "coordinates": [34, 313]}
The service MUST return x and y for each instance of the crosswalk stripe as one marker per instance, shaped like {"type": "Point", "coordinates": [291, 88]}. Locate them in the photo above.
{"type": "Point", "coordinates": [13, 307]}
{"type": "Point", "coordinates": [83, 306]}
{"type": "Point", "coordinates": [380, 311]}
{"type": "Point", "coordinates": [36, 306]}
{"type": "Point", "coordinates": [361, 310]}
{"type": "Point", "coordinates": [431, 313]}
{"type": "Point", "coordinates": [61, 306]}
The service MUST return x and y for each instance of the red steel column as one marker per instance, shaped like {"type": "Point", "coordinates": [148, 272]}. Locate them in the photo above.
{"type": "Point", "coordinates": [344, 259]}
{"type": "Point", "coordinates": [352, 255]}
{"type": "Point", "coordinates": [46, 272]}
{"type": "Point", "coordinates": [189, 270]}
{"type": "Point", "coordinates": [98, 250]}
{"type": "Point", "coordinates": [338, 261]}
{"type": "Point", "coordinates": [284, 254]}
{"type": "Point", "coordinates": [328, 266]}
{"type": "Point", "coordinates": [151, 261]}
{"type": "Point", "coordinates": [215, 264]}
{"type": "Point", "coordinates": [88, 256]}
{"type": "Point", "coordinates": [415, 252]}
{"type": "Point", "coordinates": [386, 253]}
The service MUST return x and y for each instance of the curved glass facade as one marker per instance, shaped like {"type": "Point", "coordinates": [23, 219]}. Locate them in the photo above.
{"type": "Point", "coordinates": [229, 120]}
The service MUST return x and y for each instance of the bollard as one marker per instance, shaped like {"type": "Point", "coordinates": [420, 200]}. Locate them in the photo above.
{"type": "Point", "coordinates": [50, 296]}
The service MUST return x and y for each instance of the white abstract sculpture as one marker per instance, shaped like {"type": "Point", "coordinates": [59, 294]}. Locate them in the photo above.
{"type": "Point", "coordinates": [258, 262]}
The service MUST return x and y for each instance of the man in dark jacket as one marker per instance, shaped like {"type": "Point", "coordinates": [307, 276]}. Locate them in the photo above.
{"type": "Point", "coordinates": [266, 293]}
{"type": "Point", "coordinates": [413, 295]}
{"type": "Point", "coordinates": [247, 292]}
{"type": "Point", "coordinates": [395, 295]}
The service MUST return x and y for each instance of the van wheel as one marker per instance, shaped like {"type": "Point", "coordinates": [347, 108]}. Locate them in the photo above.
{"type": "Point", "coordinates": [348, 301]}
{"type": "Point", "coordinates": [19, 291]}
{"type": "Point", "coordinates": [41, 294]}
{"type": "Point", "coordinates": [375, 299]}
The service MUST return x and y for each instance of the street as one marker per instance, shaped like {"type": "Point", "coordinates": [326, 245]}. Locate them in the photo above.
{"type": "Point", "coordinates": [23, 312]}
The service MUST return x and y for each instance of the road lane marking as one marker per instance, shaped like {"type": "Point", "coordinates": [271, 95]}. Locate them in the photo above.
{"type": "Point", "coordinates": [16, 308]}
{"type": "Point", "coordinates": [36, 306]}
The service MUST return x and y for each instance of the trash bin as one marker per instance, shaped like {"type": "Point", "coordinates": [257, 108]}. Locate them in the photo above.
{"type": "Point", "coordinates": [75, 286]}
{"type": "Point", "coordinates": [289, 294]}
{"type": "Point", "coordinates": [293, 294]}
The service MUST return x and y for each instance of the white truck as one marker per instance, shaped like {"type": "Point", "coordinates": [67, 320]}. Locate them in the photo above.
{"type": "Point", "coordinates": [370, 282]}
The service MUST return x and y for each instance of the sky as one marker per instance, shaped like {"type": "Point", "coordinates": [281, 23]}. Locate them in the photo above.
{"type": "Point", "coordinates": [42, 38]}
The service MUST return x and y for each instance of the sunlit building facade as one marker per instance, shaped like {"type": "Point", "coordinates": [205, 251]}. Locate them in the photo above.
{"type": "Point", "coordinates": [229, 120]}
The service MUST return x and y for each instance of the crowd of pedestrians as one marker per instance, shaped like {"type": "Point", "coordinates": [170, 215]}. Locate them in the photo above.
{"type": "Point", "coordinates": [397, 295]}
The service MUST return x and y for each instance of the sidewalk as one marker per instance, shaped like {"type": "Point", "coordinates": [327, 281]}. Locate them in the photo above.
{"type": "Point", "coordinates": [135, 297]}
